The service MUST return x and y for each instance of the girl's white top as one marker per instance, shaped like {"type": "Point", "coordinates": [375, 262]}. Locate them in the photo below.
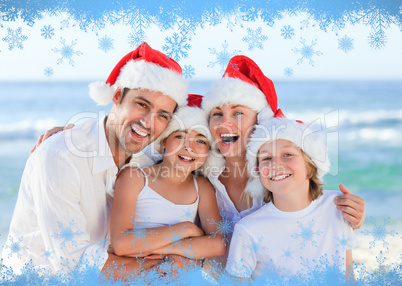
{"type": "Point", "coordinates": [153, 210]}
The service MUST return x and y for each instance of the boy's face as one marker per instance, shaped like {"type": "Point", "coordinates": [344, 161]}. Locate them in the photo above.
{"type": "Point", "coordinates": [140, 117]}
{"type": "Point", "coordinates": [187, 149]}
{"type": "Point", "coordinates": [282, 168]}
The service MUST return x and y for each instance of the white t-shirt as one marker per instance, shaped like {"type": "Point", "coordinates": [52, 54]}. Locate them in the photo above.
{"type": "Point", "coordinates": [291, 242]}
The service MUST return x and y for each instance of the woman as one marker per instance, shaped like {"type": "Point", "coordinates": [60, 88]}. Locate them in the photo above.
{"type": "Point", "coordinates": [232, 105]}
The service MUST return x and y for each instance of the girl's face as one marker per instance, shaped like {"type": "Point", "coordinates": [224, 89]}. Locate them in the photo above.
{"type": "Point", "coordinates": [282, 168]}
{"type": "Point", "coordinates": [188, 149]}
{"type": "Point", "coordinates": [231, 126]}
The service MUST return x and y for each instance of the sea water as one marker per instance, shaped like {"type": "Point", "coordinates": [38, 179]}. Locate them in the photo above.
{"type": "Point", "coordinates": [362, 122]}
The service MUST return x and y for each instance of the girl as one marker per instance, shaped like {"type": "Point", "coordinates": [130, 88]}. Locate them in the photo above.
{"type": "Point", "coordinates": [232, 105]}
{"type": "Point", "coordinates": [286, 164]}
{"type": "Point", "coordinates": [155, 209]}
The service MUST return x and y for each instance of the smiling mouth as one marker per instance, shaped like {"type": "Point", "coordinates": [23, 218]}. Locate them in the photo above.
{"type": "Point", "coordinates": [279, 178]}
{"type": "Point", "coordinates": [138, 132]}
{"type": "Point", "coordinates": [229, 138]}
{"type": "Point", "coordinates": [186, 158]}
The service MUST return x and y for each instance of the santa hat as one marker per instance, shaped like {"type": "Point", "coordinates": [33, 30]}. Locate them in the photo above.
{"type": "Point", "coordinates": [192, 117]}
{"type": "Point", "coordinates": [143, 68]}
{"type": "Point", "coordinates": [294, 131]}
{"type": "Point", "coordinates": [245, 84]}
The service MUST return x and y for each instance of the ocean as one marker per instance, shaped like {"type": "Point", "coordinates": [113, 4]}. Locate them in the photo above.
{"type": "Point", "coordinates": [362, 123]}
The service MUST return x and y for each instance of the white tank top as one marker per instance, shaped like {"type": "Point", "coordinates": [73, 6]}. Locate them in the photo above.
{"type": "Point", "coordinates": [153, 210]}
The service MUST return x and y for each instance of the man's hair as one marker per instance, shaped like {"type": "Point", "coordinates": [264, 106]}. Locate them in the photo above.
{"type": "Point", "coordinates": [316, 186]}
{"type": "Point", "coordinates": [126, 89]}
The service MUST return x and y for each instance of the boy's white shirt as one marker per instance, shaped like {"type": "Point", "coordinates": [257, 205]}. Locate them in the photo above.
{"type": "Point", "coordinates": [291, 242]}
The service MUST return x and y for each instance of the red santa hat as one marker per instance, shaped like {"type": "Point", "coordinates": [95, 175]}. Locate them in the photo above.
{"type": "Point", "coordinates": [192, 117]}
{"type": "Point", "coordinates": [143, 68]}
{"type": "Point", "coordinates": [294, 131]}
{"type": "Point", "coordinates": [243, 83]}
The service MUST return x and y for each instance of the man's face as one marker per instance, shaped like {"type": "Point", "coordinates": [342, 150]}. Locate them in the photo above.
{"type": "Point", "coordinates": [140, 117]}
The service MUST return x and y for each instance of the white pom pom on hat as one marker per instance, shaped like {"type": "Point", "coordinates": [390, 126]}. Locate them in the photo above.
{"type": "Point", "coordinates": [143, 68]}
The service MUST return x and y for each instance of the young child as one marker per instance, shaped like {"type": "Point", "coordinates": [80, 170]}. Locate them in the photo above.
{"type": "Point", "coordinates": [300, 227]}
{"type": "Point", "coordinates": [155, 208]}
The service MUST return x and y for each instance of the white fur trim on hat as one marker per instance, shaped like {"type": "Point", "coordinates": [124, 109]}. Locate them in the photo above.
{"type": "Point", "coordinates": [298, 133]}
{"type": "Point", "coordinates": [230, 90]}
{"type": "Point", "coordinates": [144, 75]}
{"type": "Point", "coordinates": [194, 118]}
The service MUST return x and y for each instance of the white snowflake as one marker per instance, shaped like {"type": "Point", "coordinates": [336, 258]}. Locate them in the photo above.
{"type": "Point", "coordinates": [345, 44]}
{"type": "Point", "coordinates": [15, 247]}
{"type": "Point", "coordinates": [105, 44]}
{"type": "Point", "coordinates": [136, 39]}
{"type": "Point", "coordinates": [307, 234]}
{"type": "Point", "coordinates": [257, 248]}
{"type": "Point", "coordinates": [188, 71]}
{"type": "Point", "coordinates": [379, 232]}
{"type": "Point", "coordinates": [255, 38]}
{"type": "Point", "coordinates": [307, 51]}
{"type": "Point", "coordinates": [176, 47]}
{"type": "Point", "coordinates": [67, 234]}
{"type": "Point", "coordinates": [288, 72]}
{"type": "Point", "coordinates": [47, 32]}
{"type": "Point", "coordinates": [377, 40]}
{"type": "Point", "coordinates": [223, 57]}
{"type": "Point", "coordinates": [344, 242]}
{"type": "Point", "coordinates": [138, 19]}
{"type": "Point", "coordinates": [213, 17]}
{"type": "Point", "coordinates": [15, 38]}
{"type": "Point", "coordinates": [67, 51]}
{"type": "Point", "coordinates": [287, 32]}
{"type": "Point", "coordinates": [174, 238]}
{"type": "Point", "coordinates": [47, 253]}
{"type": "Point", "coordinates": [287, 253]}
{"type": "Point", "coordinates": [48, 72]}
{"type": "Point", "coordinates": [223, 227]}
{"type": "Point", "coordinates": [139, 232]}
{"type": "Point", "coordinates": [186, 28]}
{"type": "Point", "coordinates": [380, 259]}
{"type": "Point", "coordinates": [187, 212]}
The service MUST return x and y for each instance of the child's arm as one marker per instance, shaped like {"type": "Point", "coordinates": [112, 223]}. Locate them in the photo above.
{"type": "Point", "coordinates": [130, 239]}
{"type": "Point", "coordinates": [213, 242]}
{"type": "Point", "coordinates": [349, 265]}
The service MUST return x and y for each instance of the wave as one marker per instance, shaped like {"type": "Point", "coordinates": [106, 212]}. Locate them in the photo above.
{"type": "Point", "coordinates": [349, 118]}
{"type": "Point", "coordinates": [26, 129]}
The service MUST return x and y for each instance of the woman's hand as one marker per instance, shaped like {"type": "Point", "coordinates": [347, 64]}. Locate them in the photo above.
{"type": "Point", "coordinates": [352, 207]}
{"type": "Point", "coordinates": [49, 133]}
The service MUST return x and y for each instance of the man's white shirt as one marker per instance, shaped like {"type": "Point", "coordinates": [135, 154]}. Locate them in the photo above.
{"type": "Point", "coordinates": [62, 214]}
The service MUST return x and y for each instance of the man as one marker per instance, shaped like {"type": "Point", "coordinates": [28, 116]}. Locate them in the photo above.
{"type": "Point", "coordinates": [62, 214]}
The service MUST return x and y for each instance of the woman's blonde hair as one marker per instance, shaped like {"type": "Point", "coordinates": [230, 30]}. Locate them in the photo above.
{"type": "Point", "coordinates": [316, 186]}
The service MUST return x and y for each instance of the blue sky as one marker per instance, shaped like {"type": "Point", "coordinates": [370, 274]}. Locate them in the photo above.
{"type": "Point", "coordinates": [291, 46]}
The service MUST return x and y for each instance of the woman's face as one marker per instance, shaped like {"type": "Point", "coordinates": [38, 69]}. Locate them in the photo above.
{"type": "Point", "coordinates": [187, 149]}
{"type": "Point", "coordinates": [231, 126]}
